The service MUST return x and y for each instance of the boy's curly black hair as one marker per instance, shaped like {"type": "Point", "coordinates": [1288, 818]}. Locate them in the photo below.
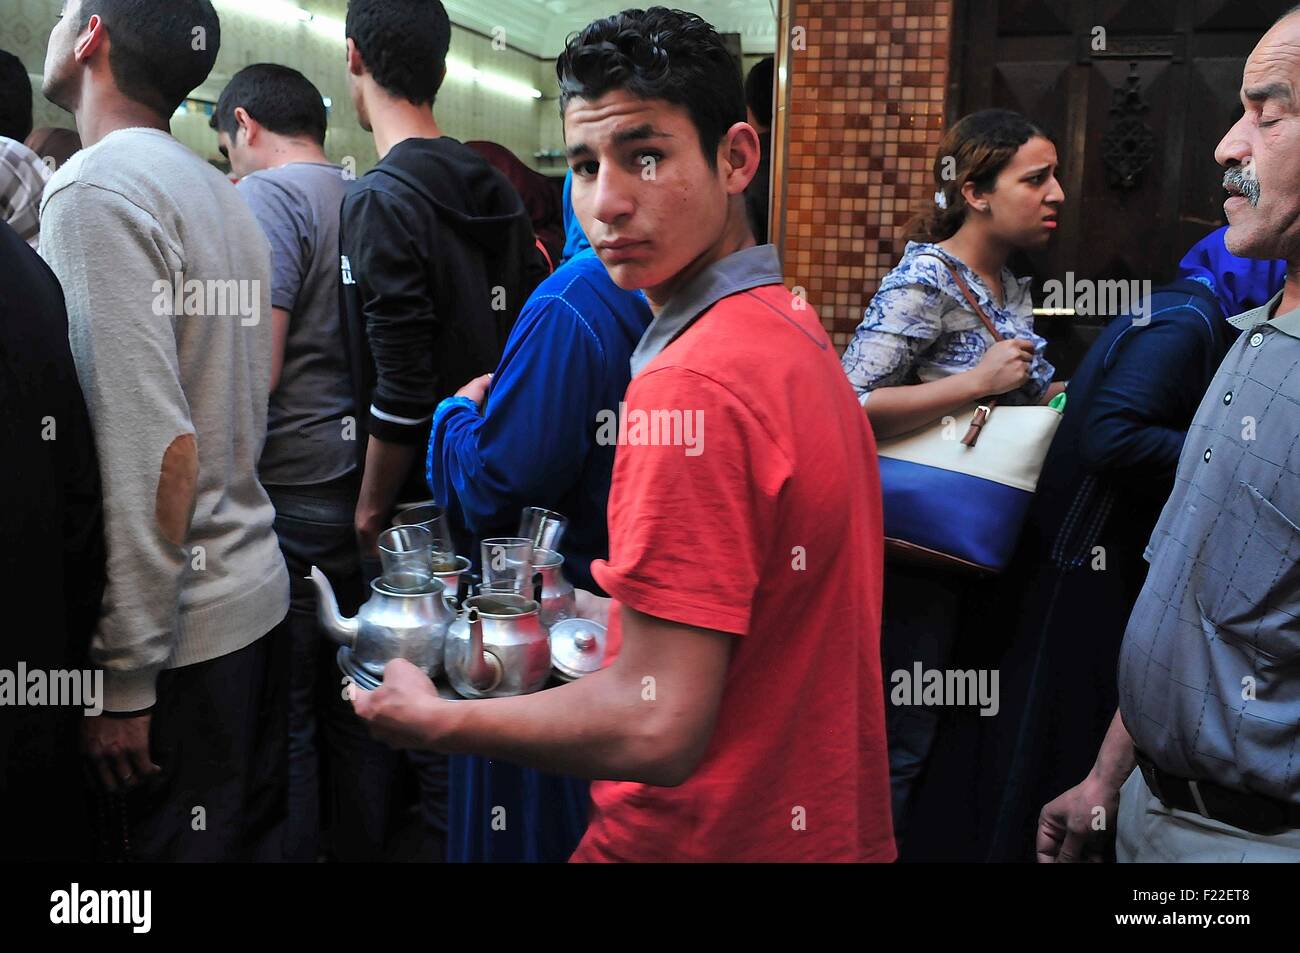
{"type": "Point", "coordinates": [657, 54]}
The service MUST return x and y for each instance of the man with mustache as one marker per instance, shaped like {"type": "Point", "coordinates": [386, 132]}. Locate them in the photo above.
{"type": "Point", "coordinates": [1236, 182]}
{"type": "Point", "coordinates": [1209, 674]}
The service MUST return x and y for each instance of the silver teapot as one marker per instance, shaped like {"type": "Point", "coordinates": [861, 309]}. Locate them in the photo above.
{"type": "Point", "coordinates": [407, 615]}
{"type": "Point", "coordinates": [391, 625]}
{"type": "Point", "coordinates": [498, 647]}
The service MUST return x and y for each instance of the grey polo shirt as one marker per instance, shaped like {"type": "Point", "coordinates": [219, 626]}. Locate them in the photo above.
{"type": "Point", "coordinates": [1209, 672]}
{"type": "Point", "coordinates": [751, 267]}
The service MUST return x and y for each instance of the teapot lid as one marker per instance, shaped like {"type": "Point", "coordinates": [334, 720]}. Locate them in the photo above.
{"type": "Point", "coordinates": [577, 647]}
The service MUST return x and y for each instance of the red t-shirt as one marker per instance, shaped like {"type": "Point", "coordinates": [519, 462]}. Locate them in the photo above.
{"type": "Point", "coordinates": [768, 528]}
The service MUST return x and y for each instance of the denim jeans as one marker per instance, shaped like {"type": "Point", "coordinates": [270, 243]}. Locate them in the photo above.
{"type": "Point", "coordinates": [369, 791]}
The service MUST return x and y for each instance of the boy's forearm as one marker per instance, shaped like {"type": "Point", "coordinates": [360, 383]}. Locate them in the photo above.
{"type": "Point", "coordinates": [597, 728]}
{"type": "Point", "coordinates": [1054, 390]}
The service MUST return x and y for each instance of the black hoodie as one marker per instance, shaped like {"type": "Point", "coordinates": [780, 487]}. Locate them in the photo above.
{"type": "Point", "coordinates": [438, 258]}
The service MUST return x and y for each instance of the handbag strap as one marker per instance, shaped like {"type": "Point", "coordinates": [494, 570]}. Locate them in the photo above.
{"type": "Point", "coordinates": [984, 410]}
{"type": "Point", "coordinates": [966, 293]}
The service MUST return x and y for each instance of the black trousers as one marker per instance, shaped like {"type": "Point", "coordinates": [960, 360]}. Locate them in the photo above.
{"type": "Point", "coordinates": [219, 733]}
{"type": "Point", "coordinates": [378, 804]}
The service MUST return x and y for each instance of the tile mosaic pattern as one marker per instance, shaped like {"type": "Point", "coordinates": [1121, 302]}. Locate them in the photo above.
{"type": "Point", "coordinates": [865, 110]}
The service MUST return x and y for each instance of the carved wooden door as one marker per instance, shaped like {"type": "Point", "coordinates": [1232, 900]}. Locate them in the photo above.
{"type": "Point", "coordinates": [1136, 94]}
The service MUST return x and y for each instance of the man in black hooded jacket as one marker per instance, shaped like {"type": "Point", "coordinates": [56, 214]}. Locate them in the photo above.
{"type": "Point", "coordinates": [438, 253]}
{"type": "Point", "coordinates": [438, 258]}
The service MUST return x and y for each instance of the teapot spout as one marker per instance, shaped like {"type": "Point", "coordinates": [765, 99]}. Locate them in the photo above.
{"type": "Point", "coordinates": [484, 669]}
{"type": "Point", "coordinates": [340, 628]}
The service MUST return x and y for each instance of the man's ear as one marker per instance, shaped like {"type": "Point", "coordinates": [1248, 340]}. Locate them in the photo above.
{"type": "Point", "coordinates": [92, 37]}
{"type": "Point", "coordinates": [739, 154]}
{"type": "Point", "coordinates": [246, 122]}
{"type": "Point", "coordinates": [356, 65]}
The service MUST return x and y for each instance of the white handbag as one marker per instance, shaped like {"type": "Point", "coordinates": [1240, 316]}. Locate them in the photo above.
{"type": "Point", "coordinates": [956, 492]}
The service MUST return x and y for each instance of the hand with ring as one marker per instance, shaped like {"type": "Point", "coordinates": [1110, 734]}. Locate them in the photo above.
{"type": "Point", "coordinates": [118, 749]}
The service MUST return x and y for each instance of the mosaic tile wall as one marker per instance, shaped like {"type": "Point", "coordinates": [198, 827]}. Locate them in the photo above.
{"type": "Point", "coordinates": [865, 105]}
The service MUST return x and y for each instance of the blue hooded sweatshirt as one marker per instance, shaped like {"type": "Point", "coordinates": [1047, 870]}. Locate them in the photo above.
{"type": "Point", "coordinates": [567, 359]}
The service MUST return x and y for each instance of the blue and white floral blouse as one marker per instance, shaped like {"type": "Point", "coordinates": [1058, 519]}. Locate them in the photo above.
{"type": "Point", "coordinates": [919, 328]}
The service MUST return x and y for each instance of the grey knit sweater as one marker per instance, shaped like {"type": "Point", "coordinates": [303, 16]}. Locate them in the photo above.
{"type": "Point", "coordinates": [167, 279]}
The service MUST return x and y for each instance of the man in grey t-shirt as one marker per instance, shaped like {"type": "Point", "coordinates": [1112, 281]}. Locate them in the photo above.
{"type": "Point", "coordinates": [271, 124]}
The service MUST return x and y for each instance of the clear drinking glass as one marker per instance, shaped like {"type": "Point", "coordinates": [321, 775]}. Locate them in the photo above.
{"type": "Point", "coordinates": [433, 518]}
{"type": "Point", "coordinates": [545, 528]}
{"type": "Point", "coordinates": [404, 554]}
{"type": "Point", "coordinates": [508, 564]}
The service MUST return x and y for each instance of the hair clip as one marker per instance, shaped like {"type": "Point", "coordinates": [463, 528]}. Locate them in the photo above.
{"type": "Point", "coordinates": [940, 199]}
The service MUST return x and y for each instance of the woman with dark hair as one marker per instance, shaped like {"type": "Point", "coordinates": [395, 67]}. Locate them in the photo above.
{"type": "Point", "coordinates": [997, 194]}
{"type": "Point", "coordinates": [922, 352]}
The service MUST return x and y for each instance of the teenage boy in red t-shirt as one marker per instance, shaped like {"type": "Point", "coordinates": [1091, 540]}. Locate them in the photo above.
{"type": "Point", "coordinates": [743, 716]}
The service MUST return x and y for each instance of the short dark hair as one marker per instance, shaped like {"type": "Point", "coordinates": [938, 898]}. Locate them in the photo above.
{"type": "Point", "coordinates": [758, 89]}
{"type": "Point", "coordinates": [404, 44]}
{"type": "Point", "coordinates": [159, 51]}
{"type": "Point", "coordinates": [15, 98]}
{"type": "Point", "coordinates": [657, 54]}
{"type": "Point", "coordinates": [279, 97]}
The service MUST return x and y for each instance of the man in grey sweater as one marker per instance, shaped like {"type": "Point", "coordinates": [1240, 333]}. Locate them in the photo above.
{"type": "Point", "coordinates": [167, 279]}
